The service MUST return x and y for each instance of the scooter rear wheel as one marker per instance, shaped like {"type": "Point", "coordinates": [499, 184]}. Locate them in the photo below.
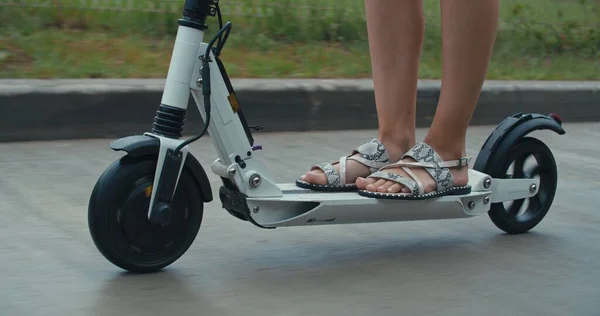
{"type": "Point", "coordinates": [118, 217]}
{"type": "Point", "coordinates": [520, 216]}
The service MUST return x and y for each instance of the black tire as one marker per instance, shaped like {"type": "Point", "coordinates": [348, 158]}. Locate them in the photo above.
{"type": "Point", "coordinates": [118, 222]}
{"type": "Point", "coordinates": [509, 218]}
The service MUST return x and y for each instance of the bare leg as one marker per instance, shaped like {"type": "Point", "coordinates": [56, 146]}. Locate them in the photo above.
{"type": "Point", "coordinates": [395, 30]}
{"type": "Point", "coordinates": [469, 32]}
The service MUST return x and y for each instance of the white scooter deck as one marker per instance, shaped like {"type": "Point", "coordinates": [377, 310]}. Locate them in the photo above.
{"type": "Point", "coordinates": [303, 207]}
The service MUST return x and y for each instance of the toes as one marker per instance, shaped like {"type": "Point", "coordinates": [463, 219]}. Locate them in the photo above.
{"type": "Point", "coordinates": [384, 187]}
{"type": "Point", "coordinates": [362, 183]}
{"type": "Point", "coordinates": [370, 180]}
{"type": "Point", "coordinates": [395, 188]}
{"type": "Point", "coordinates": [374, 186]}
{"type": "Point", "coordinates": [315, 177]}
{"type": "Point", "coordinates": [379, 182]}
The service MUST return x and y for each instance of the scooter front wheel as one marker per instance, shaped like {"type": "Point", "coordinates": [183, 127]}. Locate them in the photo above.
{"type": "Point", "coordinates": [118, 217]}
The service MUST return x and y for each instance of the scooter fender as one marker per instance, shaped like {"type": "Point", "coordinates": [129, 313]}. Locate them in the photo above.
{"type": "Point", "coordinates": [141, 145]}
{"type": "Point", "coordinates": [509, 132]}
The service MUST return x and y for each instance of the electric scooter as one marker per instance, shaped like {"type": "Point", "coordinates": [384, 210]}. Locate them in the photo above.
{"type": "Point", "coordinates": [146, 209]}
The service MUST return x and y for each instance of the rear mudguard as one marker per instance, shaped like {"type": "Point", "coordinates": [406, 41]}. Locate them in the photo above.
{"type": "Point", "coordinates": [142, 145]}
{"type": "Point", "coordinates": [509, 133]}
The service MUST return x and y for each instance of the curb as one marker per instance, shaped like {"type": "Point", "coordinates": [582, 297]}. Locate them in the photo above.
{"type": "Point", "coordinates": [109, 108]}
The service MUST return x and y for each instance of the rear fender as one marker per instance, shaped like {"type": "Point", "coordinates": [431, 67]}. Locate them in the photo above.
{"type": "Point", "coordinates": [510, 132]}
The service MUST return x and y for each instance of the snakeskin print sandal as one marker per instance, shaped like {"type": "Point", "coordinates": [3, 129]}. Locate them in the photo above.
{"type": "Point", "coordinates": [372, 154]}
{"type": "Point", "coordinates": [426, 159]}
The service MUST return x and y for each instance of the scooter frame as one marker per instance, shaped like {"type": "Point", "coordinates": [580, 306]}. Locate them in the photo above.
{"type": "Point", "coordinates": [250, 191]}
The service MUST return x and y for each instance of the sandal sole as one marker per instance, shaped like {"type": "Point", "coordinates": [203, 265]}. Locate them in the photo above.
{"type": "Point", "coordinates": [463, 190]}
{"type": "Point", "coordinates": [326, 187]}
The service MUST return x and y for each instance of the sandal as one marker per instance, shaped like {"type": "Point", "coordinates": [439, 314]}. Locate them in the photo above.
{"type": "Point", "coordinates": [372, 154]}
{"type": "Point", "coordinates": [428, 159]}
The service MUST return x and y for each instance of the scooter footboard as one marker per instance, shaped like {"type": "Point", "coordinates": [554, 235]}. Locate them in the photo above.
{"type": "Point", "coordinates": [315, 208]}
{"type": "Point", "coordinates": [303, 207]}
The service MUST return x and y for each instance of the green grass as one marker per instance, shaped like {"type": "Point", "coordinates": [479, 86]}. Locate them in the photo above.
{"type": "Point", "coordinates": [538, 39]}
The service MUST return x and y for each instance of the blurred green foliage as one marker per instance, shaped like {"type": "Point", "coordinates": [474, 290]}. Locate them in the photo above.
{"type": "Point", "coordinates": [528, 26]}
{"type": "Point", "coordinates": [532, 32]}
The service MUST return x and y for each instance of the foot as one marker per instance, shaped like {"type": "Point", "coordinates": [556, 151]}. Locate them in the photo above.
{"type": "Point", "coordinates": [458, 175]}
{"type": "Point", "coordinates": [343, 173]}
{"type": "Point", "coordinates": [354, 169]}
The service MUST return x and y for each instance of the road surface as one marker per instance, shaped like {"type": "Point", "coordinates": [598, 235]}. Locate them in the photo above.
{"type": "Point", "coordinates": [49, 265]}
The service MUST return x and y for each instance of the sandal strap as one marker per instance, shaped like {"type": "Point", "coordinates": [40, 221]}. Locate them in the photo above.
{"type": "Point", "coordinates": [429, 160]}
{"type": "Point", "coordinates": [445, 164]}
{"type": "Point", "coordinates": [372, 154]}
{"type": "Point", "coordinates": [414, 186]}
{"type": "Point", "coordinates": [342, 172]}
{"type": "Point", "coordinates": [415, 178]}
{"type": "Point", "coordinates": [406, 167]}
{"type": "Point", "coordinates": [333, 178]}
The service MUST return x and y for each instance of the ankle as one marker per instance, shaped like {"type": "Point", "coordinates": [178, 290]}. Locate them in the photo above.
{"type": "Point", "coordinates": [447, 147]}
{"type": "Point", "coordinates": [397, 144]}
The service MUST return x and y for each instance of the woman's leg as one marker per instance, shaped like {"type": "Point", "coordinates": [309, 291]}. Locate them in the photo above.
{"type": "Point", "coordinates": [395, 30]}
{"type": "Point", "coordinates": [469, 32]}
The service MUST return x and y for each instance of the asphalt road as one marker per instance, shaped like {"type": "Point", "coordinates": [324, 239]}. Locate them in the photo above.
{"type": "Point", "coordinates": [49, 265]}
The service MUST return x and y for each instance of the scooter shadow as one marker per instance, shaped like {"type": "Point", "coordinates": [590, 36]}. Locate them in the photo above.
{"type": "Point", "coordinates": [344, 263]}
{"type": "Point", "coordinates": [162, 293]}
{"type": "Point", "coordinates": [390, 263]}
